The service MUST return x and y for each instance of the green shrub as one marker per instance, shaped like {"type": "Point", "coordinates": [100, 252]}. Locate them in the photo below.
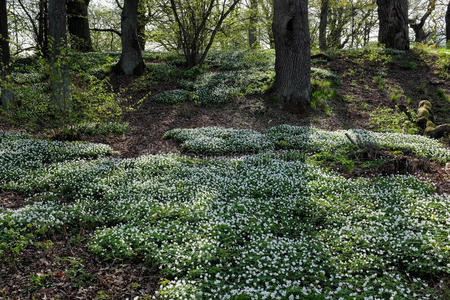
{"type": "Point", "coordinates": [389, 120]}
{"type": "Point", "coordinates": [172, 97]}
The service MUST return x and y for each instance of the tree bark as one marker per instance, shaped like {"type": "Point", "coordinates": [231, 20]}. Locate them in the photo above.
{"type": "Point", "coordinates": [393, 17]}
{"type": "Point", "coordinates": [252, 30]}
{"type": "Point", "coordinates": [131, 62]}
{"type": "Point", "coordinates": [323, 24]}
{"type": "Point", "coordinates": [447, 25]}
{"type": "Point", "coordinates": [4, 36]}
{"type": "Point", "coordinates": [293, 53]}
{"type": "Point", "coordinates": [6, 95]}
{"type": "Point", "coordinates": [59, 79]}
{"type": "Point", "coordinates": [42, 38]}
{"type": "Point", "coordinates": [78, 23]}
{"type": "Point", "coordinates": [142, 21]}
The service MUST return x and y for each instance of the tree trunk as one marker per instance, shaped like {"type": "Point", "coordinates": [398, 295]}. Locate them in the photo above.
{"type": "Point", "coordinates": [293, 53]}
{"type": "Point", "coordinates": [393, 17]}
{"type": "Point", "coordinates": [323, 24]}
{"type": "Point", "coordinates": [447, 25]}
{"type": "Point", "coordinates": [142, 21]}
{"type": "Point", "coordinates": [4, 36]}
{"type": "Point", "coordinates": [42, 38]}
{"type": "Point", "coordinates": [78, 23]}
{"type": "Point", "coordinates": [419, 32]}
{"type": "Point", "coordinates": [6, 95]}
{"type": "Point", "coordinates": [131, 62]}
{"type": "Point", "coordinates": [252, 30]}
{"type": "Point", "coordinates": [59, 78]}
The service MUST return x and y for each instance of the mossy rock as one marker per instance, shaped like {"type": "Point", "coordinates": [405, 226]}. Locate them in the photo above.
{"type": "Point", "coordinates": [423, 112]}
{"type": "Point", "coordinates": [425, 103]}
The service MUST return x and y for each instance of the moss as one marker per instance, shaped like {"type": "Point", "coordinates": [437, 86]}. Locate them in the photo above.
{"type": "Point", "coordinates": [423, 112]}
{"type": "Point", "coordinates": [426, 104]}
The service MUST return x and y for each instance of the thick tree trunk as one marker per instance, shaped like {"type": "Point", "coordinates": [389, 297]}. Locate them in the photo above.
{"type": "Point", "coordinates": [393, 17]}
{"type": "Point", "coordinates": [78, 23]}
{"type": "Point", "coordinates": [5, 95]}
{"type": "Point", "coordinates": [42, 38]}
{"type": "Point", "coordinates": [323, 24]}
{"type": "Point", "coordinates": [131, 62]}
{"type": "Point", "coordinates": [447, 25]}
{"type": "Point", "coordinates": [293, 54]}
{"type": "Point", "coordinates": [252, 30]}
{"type": "Point", "coordinates": [59, 79]}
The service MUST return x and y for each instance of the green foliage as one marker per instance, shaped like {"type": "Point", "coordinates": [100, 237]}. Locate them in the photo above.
{"type": "Point", "coordinates": [324, 74]}
{"type": "Point", "coordinates": [73, 132]}
{"type": "Point", "coordinates": [77, 272]}
{"type": "Point", "coordinates": [39, 281]}
{"type": "Point", "coordinates": [322, 93]}
{"type": "Point", "coordinates": [389, 120]}
{"type": "Point", "coordinates": [92, 100]}
{"type": "Point", "coordinates": [162, 72]}
{"type": "Point", "coordinates": [95, 103]}
{"type": "Point", "coordinates": [380, 81]}
{"type": "Point", "coordinates": [173, 97]}
{"type": "Point", "coordinates": [438, 59]}
{"type": "Point", "coordinates": [440, 95]}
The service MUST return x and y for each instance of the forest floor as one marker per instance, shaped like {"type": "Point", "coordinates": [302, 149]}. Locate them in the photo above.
{"type": "Point", "coordinates": [61, 266]}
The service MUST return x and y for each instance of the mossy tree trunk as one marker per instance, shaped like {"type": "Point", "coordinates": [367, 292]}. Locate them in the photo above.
{"type": "Point", "coordinates": [131, 62]}
{"type": "Point", "coordinates": [393, 17]}
{"type": "Point", "coordinates": [78, 23]}
{"type": "Point", "coordinates": [59, 77]}
{"type": "Point", "coordinates": [253, 25]}
{"type": "Point", "coordinates": [293, 54]}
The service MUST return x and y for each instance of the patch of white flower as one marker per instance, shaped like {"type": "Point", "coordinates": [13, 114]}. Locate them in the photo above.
{"type": "Point", "coordinates": [20, 154]}
{"type": "Point", "coordinates": [264, 226]}
{"type": "Point", "coordinates": [218, 140]}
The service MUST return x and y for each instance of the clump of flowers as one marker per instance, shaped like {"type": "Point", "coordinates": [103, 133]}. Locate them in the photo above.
{"type": "Point", "coordinates": [261, 226]}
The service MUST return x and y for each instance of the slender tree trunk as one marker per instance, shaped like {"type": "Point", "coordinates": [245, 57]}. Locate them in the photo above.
{"type": "Point", "coordinates": [42, 38]}
{"type": "Point", "coordinates": [131, 62]}
{"type": "Point", "coordinates": [293, 54]}
{"type": "Point", "coordinates": [4, 36]}
{"type": "Point", "coordinates": [78, 23]}
{"type": "Point", "coordinates": [6, 95]}
{"type": "Point", "coordinates": [393, 17]}
{"type": "Point", "coordinates": [142, 38]}
{"type": "Point", "coordinates": [447, 25]}
{"type": "Point", "coordinates": [419, 33]}
{"type": "Point", "coordinates": [142, 21]}
{"type": "Point", "coordinates": [253, 26]}
{"type": "Point", "coordinates": [323, 24]}
{"type": "Point", "coordinates": [59, 79]}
